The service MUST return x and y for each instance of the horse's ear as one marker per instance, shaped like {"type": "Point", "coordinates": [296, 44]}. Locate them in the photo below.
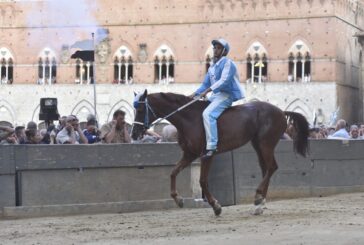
{"type": "Point", "coordinates": [135, 94]}
{"type": "Point", "coordinates": [145, 93]}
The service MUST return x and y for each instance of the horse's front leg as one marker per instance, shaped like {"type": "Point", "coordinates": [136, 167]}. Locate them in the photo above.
{"type": "Point", "coordinates": [205, 167]}
{"type": "Point", "coordinates": [186, 160]}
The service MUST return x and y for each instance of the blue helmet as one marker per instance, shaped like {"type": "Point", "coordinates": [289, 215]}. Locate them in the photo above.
{"type": "Point", "coordinates": [223, 42]}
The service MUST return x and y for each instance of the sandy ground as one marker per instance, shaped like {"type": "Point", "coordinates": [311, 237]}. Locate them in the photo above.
{"type": "Point", "coordinates": [326, 220]}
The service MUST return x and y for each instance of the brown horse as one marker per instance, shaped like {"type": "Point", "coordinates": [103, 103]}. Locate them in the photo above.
{"type": "Point", "coordinates": [259, 122]}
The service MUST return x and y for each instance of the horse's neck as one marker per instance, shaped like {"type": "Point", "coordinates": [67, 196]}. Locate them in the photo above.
{"type": "Point", "coordinates": [179, 118]}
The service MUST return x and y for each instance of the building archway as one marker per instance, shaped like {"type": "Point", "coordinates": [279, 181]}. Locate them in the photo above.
{"type": "Point", "coordinates": [125, 106]}
{"type": "Point", "coordinates": [7, 114]}
{"type": "Point", "coordinates": [82, 110]}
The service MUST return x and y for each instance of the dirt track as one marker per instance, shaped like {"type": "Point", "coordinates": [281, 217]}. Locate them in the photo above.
{"type": "Point", "coordinates": [327, 220]}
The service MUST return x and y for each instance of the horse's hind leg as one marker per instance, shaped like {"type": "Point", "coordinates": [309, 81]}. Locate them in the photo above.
{"type": "Point", "coordinates": [205, 167]}
{"type": "Point", "coordinates": [268, 165]}
{"type": "Point", "coordinates": [186, 160]}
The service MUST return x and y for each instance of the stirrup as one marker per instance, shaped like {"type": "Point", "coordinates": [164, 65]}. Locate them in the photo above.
{"type": "Point", "coordinates": [209, 153]}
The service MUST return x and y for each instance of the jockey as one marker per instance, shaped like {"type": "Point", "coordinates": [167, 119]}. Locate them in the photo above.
{"type": "Point", "coordinates": [223, 80]}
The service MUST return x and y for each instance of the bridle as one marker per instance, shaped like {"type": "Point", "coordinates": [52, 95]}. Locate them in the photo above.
{"type": "Point", "coordinates": [149, 109]}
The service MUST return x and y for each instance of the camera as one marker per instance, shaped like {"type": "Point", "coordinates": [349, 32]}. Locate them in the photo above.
{"type": "Point", "coordinates": [48, 109]}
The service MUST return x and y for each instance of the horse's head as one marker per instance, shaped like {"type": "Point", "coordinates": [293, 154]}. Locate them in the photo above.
{"type": "Point", "coordinates": [143, 117]}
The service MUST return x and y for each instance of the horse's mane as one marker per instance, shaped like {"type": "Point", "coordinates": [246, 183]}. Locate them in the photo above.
{"type": "Point", "coordinates": [175, 98]}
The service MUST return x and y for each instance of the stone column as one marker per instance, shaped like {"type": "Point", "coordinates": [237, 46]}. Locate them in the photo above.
{"type": "Point", "coordinates": [294, 70]}
{"type": "Point", "coordinates": [160, 72]}
{"type": "Point", "coordinates": [167, 77]}
{"type": "Point", "coordinates": [88, 72]}
{"type": "Point", "coordinates": [303, 71]}
{"type": "Point", "coordinates": [252, 78]}
{"type": "Point", "coordinates": [260, 71]}
{"type": "Point", "coordinates": [119, 72]}
{"type": "Point", "coordinates": [126, 72]}
{"type": "Point", "coordinates": [43, 71]}
{"type": "Point", "coordinates": [7, 73]}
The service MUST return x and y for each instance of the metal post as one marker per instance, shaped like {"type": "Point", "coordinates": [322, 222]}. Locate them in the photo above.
{"type": "Point", "coordinates": [94, 72]}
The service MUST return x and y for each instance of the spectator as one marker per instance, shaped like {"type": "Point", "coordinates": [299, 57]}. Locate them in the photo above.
{"type": "Point", "coordinates": [151, 137]}
{"type": "Point", "coordinates": [20, 134]}
{"type": "Point", "coordinates": [354, 132]}
{"type": "Point", "coordinates": [5, 132]}
{"type": "Point", "coordinates": [361, 131]}
{"type": "Point", "coordinates": [71, 133]}
{"type": "Point", "coordinates": [314, 133]}
{"type": "Point", "coordinates": [10, 139]}
{"type": "Point", "coordinates": [115, 131]}
{"type": "Point", "coordinates": [340, 131]}
{"type": "Point", "coordinates": [169, 133]}
{"type": "Point", "coordinates": [31, 133]}
{"type": "Point", "coordinates": [91, 132]}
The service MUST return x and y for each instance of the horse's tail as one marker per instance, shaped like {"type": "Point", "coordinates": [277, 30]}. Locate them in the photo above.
{"type": "Point", "coordinates": [301, 126]}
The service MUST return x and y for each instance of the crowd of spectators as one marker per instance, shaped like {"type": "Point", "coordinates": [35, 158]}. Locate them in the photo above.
{"type": "Point", "coordinates": [69, 131]}
{"type": "Point", "coordinates": [341, 131]}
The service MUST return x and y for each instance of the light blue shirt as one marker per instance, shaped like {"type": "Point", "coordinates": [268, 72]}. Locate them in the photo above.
{"type": "Point", "coordinates": [223, 76]}
{"type": "Point", "coordinates": [341, 133]}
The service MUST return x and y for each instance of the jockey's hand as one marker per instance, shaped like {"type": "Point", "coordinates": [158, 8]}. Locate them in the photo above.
{"type": "Point", "coordinates": [204, 93]}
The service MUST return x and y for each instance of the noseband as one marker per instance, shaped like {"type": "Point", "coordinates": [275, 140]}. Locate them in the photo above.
{"type": "Point", "coordinates": [148, 109]}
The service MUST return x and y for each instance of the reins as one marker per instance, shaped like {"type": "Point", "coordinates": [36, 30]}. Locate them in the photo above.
{"type": "Point", "coordinates": [149, 108]}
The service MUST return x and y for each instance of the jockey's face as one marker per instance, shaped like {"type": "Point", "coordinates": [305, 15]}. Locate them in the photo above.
{"type": "Point", "coordinates": [218, 51]}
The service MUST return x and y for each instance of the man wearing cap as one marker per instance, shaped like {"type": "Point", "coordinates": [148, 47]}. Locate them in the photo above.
{"type": "Point", "coordinates": [71, 133]}
{"type": "Point", "coordinates": [223, 80]}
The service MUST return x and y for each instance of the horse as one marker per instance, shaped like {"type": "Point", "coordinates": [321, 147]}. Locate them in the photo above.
{"type": "Point", "coordinates": [261, 123]}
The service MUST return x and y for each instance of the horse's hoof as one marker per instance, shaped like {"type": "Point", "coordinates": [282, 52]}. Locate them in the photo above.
{"type": "Point", "coordinates": [258, 210]}
{"type": "Point", "coordinates": [179, 201]}
{"type": "Point", "coordinates": [217, 211]}
{"type": "Point", "coordinates": [217, 208]}
{"type": "Point", "coordinates": [259, 200]}
{"type": "Point", "coordinates": [263, 204]}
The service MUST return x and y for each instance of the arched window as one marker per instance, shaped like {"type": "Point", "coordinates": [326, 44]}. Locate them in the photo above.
{"type": "Point", "coordinates": [257, 63]}
{"type": "Point", "coordinates": [6, 64]}
{"type": "Point", "coordinates": [47, 67]}
{"type": "Point", "coordinates": [123, 66]}
{"type": "Point", "coordinates": [299, 63]}
{"type": "Point", "coordinates": [164, 65]}
{"type": "Point", "coordinates": [209, 58]}
{"type": "Point", "coordinates": [84, 72]}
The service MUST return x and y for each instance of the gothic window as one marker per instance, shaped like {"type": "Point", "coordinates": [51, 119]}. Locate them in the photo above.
{"type": "Point", "coordinates": [209, 58]}
{"type": "Point", "coordinates": [299, 63]}
{"type": "Point", "coordinates": [208, 63]}
{"type": "Point", "coordinates": [164, 65]}
{"type": "Point", "coordinates": [257, 63]}
{"type": "Point", "coordinates": [47, 67]}
{"type": "Point", "coordinates": [6, 66]}
{"type": "Point", "coordinates": [84, 72]}
{"type": "Point", "coordinates": [123, 66]}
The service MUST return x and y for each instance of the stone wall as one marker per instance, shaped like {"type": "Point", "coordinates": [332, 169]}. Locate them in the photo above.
{"type": "Point", "coordinates": [68, 176]}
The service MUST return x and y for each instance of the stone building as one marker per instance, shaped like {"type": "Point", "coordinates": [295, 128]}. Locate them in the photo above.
{"type": "Point", "coordinates": [302, 55]}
